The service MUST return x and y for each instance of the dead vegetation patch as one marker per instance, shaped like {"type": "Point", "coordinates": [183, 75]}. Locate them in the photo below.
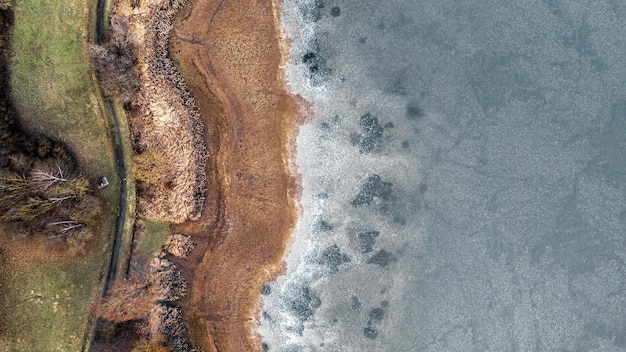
{"type": "Point", "coordinates": [143, 308]}
{"type": "Point", "coordinates": [135, 70]}
{"type": "Point", "coordinates": [179, 245]}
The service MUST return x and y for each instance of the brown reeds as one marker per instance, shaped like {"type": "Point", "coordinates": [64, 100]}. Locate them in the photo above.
{"type": "Point", "coordinates": [148, 298]}
{"type": "Point", "coordinates": [170, 152]}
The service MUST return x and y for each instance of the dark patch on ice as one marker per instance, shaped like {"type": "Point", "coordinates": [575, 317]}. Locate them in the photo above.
{"type": "Point", "coordinates": [315, 64]}
{"type": "Point", "coordinates": [301, 301]}
{"type": "Point", "coordinates": [599, 330]}
{"type": "Point", "coordinates": [265, 315]}
{"type": "Point", "coordinates": [267, 289]}
{"type": "Point", "coordinates": [382, 258]}
{"type": "Point", "coordinates": [610, 145]}
{"type": "Point", "coordinates": [265, 347]}
{"type": "Point", "coordinates": [370, 332]}
{"type": "Point", "coordinates": [322, 226]}
{"type": "Point", "coordinates": [371, 139]}
{"type": "Point", "coordinates": [384, 304]}
{"type": "Point", "coordinates": [373, 188]}
{"type": "Point", "coordinates": [330, 125]}
{"type": "Point", "coordinates": [355, 138]}
{"type": "Point", "coordinates": [312, 11]}
{"type": "Point", "coordinates": [325, 126]}
{"type": "Point", "coordinates": [581, 41]}
{"type": "Point", "coordinates": [376, 316]}
{"type": "Point", "coordinates": [321, 195]}
{"type": "Point", "coordinates": [335, 11]}
{"type": "Point", "coordinates": [332, 258]}
{"type": "Point", "coordinates": [414, 112]}
{"type": "Point", "coordinates": [298, 329]}
{"type": "Point", "coordinates": [367, 240]}
{"type": "Point", "coordinates": [389, 125]}
{"type": "Point", "coordinates": [293, 348]}
{"type": "Point", "coordinates": [312, 61]}
{"type": "Point", "coordinates": [397, 86]}
{"type": "Point", "coordinates": [368, 144]}
{"type": "Point", "coordinates": [355, 303]}
{"type": "Point", "coordinates": [418, 197]}
{"type": "Point", "coordinates": [399, 219]}
{"type": "Point", "coordinates": [499, 78]}
{"type": "Point", "coordinates": [405, 144]}
{"type": "Point", "coordinates": [370, 125]}
{"type": "Point", "coordinates": [362, 40]}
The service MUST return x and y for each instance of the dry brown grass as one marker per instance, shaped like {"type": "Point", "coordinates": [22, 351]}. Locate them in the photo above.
{"type": "Point", "coordinates": [167, 131]}
{"type": "Point", "coordinates": [134, 298]}
{"type": "Point", "coordinates": [229, 53]}
{"type": "Point", "coordinates": [147, 299]}
{"type": "Point", "coordinates": [149, 346]}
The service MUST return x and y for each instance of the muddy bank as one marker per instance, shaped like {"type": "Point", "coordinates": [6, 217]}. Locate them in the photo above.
{"type": "Point", "coordinates": [229, 54]}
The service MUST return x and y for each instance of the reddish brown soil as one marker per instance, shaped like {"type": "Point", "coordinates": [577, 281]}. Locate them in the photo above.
{"type": "Point", "coordinates": [229, 54]}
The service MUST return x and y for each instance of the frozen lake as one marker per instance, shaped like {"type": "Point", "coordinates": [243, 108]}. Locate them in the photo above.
{"type": "Point", "coordinates": [464, 178]}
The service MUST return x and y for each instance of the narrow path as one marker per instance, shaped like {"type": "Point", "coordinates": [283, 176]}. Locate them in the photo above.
{"type": "Point", "coordinates": [121, 219]}
{"type": "Point", "coordinates": [119, 153]}
{"type": "Point", "coordinates": [118, 138]}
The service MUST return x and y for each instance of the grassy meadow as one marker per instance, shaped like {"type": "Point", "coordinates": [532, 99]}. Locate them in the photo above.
{"type": "Point", "coordinates": [48, 299]}
{"type": "Point", "coordinates": [152, 240]}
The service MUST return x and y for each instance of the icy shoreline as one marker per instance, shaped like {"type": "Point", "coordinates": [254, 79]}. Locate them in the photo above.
{"type": "Point", "coordinates": [463, 178]}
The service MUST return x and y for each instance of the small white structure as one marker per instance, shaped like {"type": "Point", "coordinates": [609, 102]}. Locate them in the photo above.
{"type": "Point", "coordinates": [103, 182]}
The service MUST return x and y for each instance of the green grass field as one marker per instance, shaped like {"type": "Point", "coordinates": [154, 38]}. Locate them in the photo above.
{"type": "Point", "coordinates": [153, 239]}
{"type": "Point", "coordinates": [48, 301]}
{"type": "Point", "coordinates": [54, 88]}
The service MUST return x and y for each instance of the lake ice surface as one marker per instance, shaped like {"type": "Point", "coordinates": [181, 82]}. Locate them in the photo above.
{"type": "Point", "coordinates": [464, 178]}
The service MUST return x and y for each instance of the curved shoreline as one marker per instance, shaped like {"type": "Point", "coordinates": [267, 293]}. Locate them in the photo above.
{"type": "Point", "coordinates": [231, 64]}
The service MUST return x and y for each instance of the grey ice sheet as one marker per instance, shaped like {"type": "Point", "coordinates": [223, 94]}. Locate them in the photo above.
{"type": "Point", "coordinates": [464, 178]}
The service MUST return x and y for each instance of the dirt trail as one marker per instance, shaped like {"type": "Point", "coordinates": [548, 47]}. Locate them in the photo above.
{"type": "Point", "coordinates": [229, 55]}
{"type": "Point", "coordinates": [121, 167]}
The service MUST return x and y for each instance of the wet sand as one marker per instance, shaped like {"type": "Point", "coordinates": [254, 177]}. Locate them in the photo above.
{"type": "Point", "coordinates": [229, 54]}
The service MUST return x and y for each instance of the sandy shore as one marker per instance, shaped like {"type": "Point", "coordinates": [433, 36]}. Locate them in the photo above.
{"type": "Point", "coordinates": [229, 53]}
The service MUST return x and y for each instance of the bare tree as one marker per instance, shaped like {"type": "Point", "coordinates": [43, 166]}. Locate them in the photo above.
{"type": "Point", "coordinates": [72, 188]}
{"type": "Point", "coordinates": [128, 300]}
{"type": "Point", "coordinates": [44, 176]}
{"type": "Point", "coordinates": [63, 227]}
{"type": "Point", "coordinates": [136, 297]}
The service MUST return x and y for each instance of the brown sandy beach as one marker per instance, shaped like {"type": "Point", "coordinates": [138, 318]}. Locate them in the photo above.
{"type": "Point", "coordinates": [229, 53]}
